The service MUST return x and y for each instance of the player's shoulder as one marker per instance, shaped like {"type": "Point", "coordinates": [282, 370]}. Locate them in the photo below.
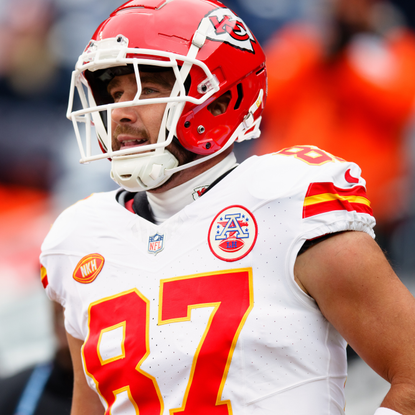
{"type": "Point", "coordinates": [304, 164]}
{"type": "Point", "coordinates": [321, 187]}
{"type": "Point", "coordinates": [306, 175]}
{"type": "Point", "coordinates": [303, 157]}
{"type": "Point", "coordinates": [89, 206]}
{"type": "Point", "coordinates": [78, 217]}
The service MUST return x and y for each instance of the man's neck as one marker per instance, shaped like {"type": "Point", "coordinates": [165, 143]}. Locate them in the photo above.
{"type": "Point", "coordinates": [166, 204]}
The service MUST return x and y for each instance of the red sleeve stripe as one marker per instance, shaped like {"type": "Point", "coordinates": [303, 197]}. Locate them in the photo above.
{"type": "Point", "coordinates": [320, 188]}
{"type": "Point", "coordinates": [44, 277]}
{"type": "Point", "coordinates": [325, 197]}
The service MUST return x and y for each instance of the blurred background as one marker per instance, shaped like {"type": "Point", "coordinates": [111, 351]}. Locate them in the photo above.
{"type": "Point", "coordinates": [340, 77]}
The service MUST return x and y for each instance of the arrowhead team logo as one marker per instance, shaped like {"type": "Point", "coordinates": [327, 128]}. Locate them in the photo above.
{"type": "Point", "coordinates": [88, 268]}
{"type": "Point", "coordinates": [198, 192]}
{"type": "Point", "coordinates": [233, 233]}
{"type": "Point", "coordinates": [228, 28]}
{"type": "Point", "coordinates": [155, 243]}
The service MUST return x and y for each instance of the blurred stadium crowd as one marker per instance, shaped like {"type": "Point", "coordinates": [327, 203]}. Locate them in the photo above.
{"type": "Point", "coordinates": [340, 76]}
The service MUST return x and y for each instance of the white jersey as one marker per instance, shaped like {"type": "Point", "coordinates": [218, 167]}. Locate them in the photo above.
{"type": "Point", "coordinates": [201, 314]}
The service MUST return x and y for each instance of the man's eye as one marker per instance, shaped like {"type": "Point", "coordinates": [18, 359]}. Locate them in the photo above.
{"type": "Point", "coordinates": [116, 95]}
{"type": "Point", "coordinates": [148, 91]}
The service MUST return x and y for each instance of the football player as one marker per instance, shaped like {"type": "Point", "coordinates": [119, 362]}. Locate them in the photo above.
{"type": "Point", "coordinates": [202, 286]}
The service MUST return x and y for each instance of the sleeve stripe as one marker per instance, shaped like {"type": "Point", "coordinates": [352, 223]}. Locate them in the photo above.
{"type": "Point", "coordinates": [320, 188]}
{"type": "Point", "coordinates": [325, 197]}
{"type": "Point", "coordinates": [44, 276]}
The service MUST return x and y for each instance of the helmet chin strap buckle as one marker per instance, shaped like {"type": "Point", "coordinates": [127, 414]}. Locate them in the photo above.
{"type": "Point", "coordinates": [248, 121]}
{"type": "Point", "coordinates": [199, 39]}
{"type": "Point", "coordinates": [156, 171]}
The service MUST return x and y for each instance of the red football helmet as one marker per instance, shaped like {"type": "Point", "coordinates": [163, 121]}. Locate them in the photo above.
{"type": "Point", "coordinates": [210, 51]}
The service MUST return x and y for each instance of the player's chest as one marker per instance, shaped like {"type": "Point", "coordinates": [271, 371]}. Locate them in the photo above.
{"type": "Point", "coordinates": [210, 276]}
{"type": "Point", "coordinates": [212, 239]}
{"type": "Point", "coordinates": [180, 299]}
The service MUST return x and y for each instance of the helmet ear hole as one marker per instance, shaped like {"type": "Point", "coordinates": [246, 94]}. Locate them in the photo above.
{"type": "Point", "coordinates": [220, 104]}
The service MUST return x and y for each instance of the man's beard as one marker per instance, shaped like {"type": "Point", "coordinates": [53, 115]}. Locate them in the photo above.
{"type": "Point", "coordinates": [182, 155]}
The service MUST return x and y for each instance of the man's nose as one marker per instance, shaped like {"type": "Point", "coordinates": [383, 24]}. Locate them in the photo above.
{"type": "Point", "coordinates": [124, 115]}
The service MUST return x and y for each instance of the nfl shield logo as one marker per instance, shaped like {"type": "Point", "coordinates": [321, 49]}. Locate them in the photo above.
{"type": "Point", "coordinates": [155, 243]}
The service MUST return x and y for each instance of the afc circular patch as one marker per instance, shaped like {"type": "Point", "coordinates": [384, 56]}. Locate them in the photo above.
{"type": "Point", "coordinates": [233, 233]}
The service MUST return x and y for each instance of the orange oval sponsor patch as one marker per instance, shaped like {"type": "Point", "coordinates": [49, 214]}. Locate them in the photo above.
{"type": "Point", "coordinates": [88, 268]}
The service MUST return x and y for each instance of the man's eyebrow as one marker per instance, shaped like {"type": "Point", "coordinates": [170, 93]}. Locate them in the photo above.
{"type": "Point", "coordinates": [113, 84]}
{"type": "Point", "coordinates": [146, 77]}
{"type": "Point", "coordinates": [156, 79]}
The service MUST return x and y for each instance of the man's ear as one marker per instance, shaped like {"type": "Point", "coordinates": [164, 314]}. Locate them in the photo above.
{"type": "Point", "coordinates": [220, 105]}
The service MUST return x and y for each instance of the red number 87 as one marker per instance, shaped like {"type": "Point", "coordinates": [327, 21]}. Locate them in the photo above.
{"type": "Point", "coordinates": [119, 379]}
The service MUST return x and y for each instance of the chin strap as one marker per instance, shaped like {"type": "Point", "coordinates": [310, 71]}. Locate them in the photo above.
{"type": "Point", "coordinates": [142, 172]}
{"type": "Point", "coordinates": [249, 122]}
{"type": "Point", "coordinates": [199, 39]}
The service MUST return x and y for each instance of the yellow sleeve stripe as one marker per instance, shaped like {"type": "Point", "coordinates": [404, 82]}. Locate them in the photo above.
{"type": "Point", "coordinates": [328, 197]}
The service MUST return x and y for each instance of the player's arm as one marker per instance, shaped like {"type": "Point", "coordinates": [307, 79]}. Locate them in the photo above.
{"type": "Point", "coordinates": [359, 293]}
{"type": "Point", "coordinates": [85, 401]}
